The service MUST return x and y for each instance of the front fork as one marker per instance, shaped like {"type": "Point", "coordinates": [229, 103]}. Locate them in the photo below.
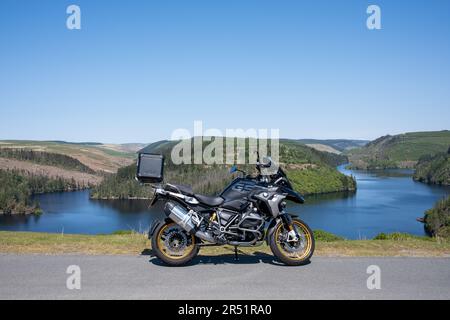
{"type": "Point", "coordinates": [287, 221]}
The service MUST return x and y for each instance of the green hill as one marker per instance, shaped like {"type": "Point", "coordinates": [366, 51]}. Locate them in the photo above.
{"type": "Point", "coordinates": [434, 169]}
{"type": "Point", "coordinates": [399, 151]}
{"type": "Point", "coordinates": [310, 170]}
{"type": "Point", "coordinates": [291, 151]}
{"type": "Point", "coordinates": [437, 219]}
{"type": "Point", "coordinates": [28, 167]}
{"type": "Point", "coordinates": [17, 186]}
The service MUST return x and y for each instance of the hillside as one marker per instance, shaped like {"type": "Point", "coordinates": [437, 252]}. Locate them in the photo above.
{"type": "Point", "coordinates": [30, 167]}
{"type": "Point", "coordinates": [333, 145]}
{"type": "Point", "coordinates": [49, 171]}
{"type": "Point", "coordinates": [126, 149]}
{"type": "Point", "coordinates": [437, 219]}
{"type": "Point", "coordinates": [121, 185]}
{"type": "Point", "coordinates": [17, 186]}
{"type": "Point", "coordinates": [310, 170]}
{"type": "Point", "coordinates": [399, 151]}
{"type": "Point", "coordinates": [434, 169]}
{"type": "Point", "coordinates": [96, 156]}
{"type": "Point", "coordinates": [291, 151]}
{"type": "Point", "coordinates": [45, 158]}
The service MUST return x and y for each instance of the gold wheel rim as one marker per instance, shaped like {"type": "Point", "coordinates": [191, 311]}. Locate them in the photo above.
{"type": "Point", "coordinates": [307, 238]}
{"type": "Point", "coordinates": [162, 241]}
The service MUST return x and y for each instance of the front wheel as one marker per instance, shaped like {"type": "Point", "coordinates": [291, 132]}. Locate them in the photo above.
{"type": "Point", "coordinates": [173, 245]}
{"type": "Point", "coordinates": [291, 252]}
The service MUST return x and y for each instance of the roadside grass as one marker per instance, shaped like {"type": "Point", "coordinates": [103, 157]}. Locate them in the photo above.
{"type": "Point", "coordinates": [54, 243]}
{"type": "Point", "coordinates": [132, 243]}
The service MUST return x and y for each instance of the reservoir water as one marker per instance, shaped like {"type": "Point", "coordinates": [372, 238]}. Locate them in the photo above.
{"type": "Point", "coordinates": [386, 201]}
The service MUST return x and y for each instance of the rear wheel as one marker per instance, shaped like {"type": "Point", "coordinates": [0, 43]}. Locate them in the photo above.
{"type": "Point", "coordinates": [292, 252]}
{"type": "Point", "coordinates": [173, 245]}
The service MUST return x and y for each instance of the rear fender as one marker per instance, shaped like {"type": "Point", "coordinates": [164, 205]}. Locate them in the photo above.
{"type": "Point", "coordinates": [153, 227]}
{"type": "Point", "coordinates": [154, 200]}
{"type": "Point", "coordinates": [155, 224]}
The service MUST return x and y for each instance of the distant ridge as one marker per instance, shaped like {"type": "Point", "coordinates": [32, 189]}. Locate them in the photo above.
{"type": "Point", "coordinates": [335, 145]}
{"type": "Point", "coordinates": [97, 156]}
{"type": "Point", "coordinates": [399, 151]}
{"type": "Point", "coordinates": [75, 143]}
{"type": "Point", "coordinates": [340, 145]}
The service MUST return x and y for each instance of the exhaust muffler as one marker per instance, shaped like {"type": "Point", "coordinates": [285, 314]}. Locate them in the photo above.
{"type": "Point", "coordinates": [181, 216]}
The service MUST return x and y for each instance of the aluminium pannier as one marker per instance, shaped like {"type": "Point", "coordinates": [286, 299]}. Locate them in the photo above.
{"type": "Point", "coordinates": [150, 168]}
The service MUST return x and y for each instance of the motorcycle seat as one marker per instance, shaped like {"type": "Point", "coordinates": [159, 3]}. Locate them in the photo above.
{"type": "Point", "coordinates": [209, 201]}
{"type": "Point", "coordinates": [186, 190]}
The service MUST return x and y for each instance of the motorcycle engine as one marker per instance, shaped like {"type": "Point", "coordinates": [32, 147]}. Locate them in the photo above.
{"type": "Point", "coordinates": [250, 221]}
{"type": "Point", "coordinates": [235, 226]}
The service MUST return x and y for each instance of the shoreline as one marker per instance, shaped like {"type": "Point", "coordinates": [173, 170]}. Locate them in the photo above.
{"type": "Point", "coordinates": [119, 198]}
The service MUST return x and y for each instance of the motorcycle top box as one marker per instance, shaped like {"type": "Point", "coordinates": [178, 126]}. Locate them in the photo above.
{"type": "Point", "coordinates": [150, 168]}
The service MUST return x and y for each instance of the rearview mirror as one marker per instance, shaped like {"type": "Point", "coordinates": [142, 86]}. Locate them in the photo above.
{"type": "Point", "coordinates": [266, 162]}
{"type": "Point", "coordinates": [233, 169]}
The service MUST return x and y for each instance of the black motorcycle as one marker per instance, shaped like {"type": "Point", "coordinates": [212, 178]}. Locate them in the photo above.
{"type": "Point", "coordinates": [248, 212]}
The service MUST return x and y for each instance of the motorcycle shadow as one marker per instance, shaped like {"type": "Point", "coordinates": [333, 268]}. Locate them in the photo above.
{"type": "Point", "coordinates": [243, 258]}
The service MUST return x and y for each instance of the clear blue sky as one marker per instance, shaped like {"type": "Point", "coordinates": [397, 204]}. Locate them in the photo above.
{"type": "Point", "coordinates": [137, 70]}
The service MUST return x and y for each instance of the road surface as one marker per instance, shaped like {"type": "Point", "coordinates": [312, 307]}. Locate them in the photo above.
{"type": "Point", "coordinates": [143, 277]}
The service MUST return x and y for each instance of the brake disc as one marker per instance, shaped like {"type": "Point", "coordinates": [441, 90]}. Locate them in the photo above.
{"type": "Point", "coordinates": [175, 241]}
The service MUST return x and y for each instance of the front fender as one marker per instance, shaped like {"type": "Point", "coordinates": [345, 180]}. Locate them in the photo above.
{"type": "Point", "coordinates": [293, 195]}
{"type": "Point", "coordinates": [273, 223]}
{"type": "Point", "coordinates": [270, 229]}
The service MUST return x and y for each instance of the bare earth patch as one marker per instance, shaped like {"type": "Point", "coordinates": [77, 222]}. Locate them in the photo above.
{"type": "Point", "coordinates": [300, 166]}
{"type": "Point", "coordinates": [50, 171]}
{"type": "Point", "coordinates": [95, 157]}
{"type": "Point", "coordinates": [323, 147]}
{"type": "Point", "coordinates": [97, 161]}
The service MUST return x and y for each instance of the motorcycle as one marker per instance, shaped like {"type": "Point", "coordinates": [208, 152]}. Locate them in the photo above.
{"type": "Point", "coordinates": [248, 212]}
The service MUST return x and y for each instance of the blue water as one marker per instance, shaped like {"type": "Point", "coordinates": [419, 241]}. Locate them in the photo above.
{"type": "Point", "coordinates": [74, 212]}
{"type": "Point", "coordinates": [386, 201]}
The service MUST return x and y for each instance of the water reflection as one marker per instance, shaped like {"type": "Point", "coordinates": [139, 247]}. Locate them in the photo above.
{"type": "Point", "coordinates": [317, 198]}
{"type": "Point", "coordinates": [125, 206]}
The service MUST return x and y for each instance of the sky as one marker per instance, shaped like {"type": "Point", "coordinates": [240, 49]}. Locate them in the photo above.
{"type": "Point", "coordinates": [138, 70]}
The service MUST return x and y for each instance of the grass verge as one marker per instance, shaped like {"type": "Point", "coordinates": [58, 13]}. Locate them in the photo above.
{"type": "Point", "coordinates": [136, 244]}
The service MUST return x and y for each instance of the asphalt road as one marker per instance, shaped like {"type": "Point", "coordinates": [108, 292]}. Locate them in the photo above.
{"type": "Point", "coordinates": [142, 277]}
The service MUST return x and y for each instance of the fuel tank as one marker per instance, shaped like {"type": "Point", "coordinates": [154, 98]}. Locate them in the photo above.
{"type": "Point", "coordinates": [238, 188]}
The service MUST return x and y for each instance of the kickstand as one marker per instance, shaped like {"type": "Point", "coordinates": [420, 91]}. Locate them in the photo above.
{"type": "Point", "coordinates": [236, 257]}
